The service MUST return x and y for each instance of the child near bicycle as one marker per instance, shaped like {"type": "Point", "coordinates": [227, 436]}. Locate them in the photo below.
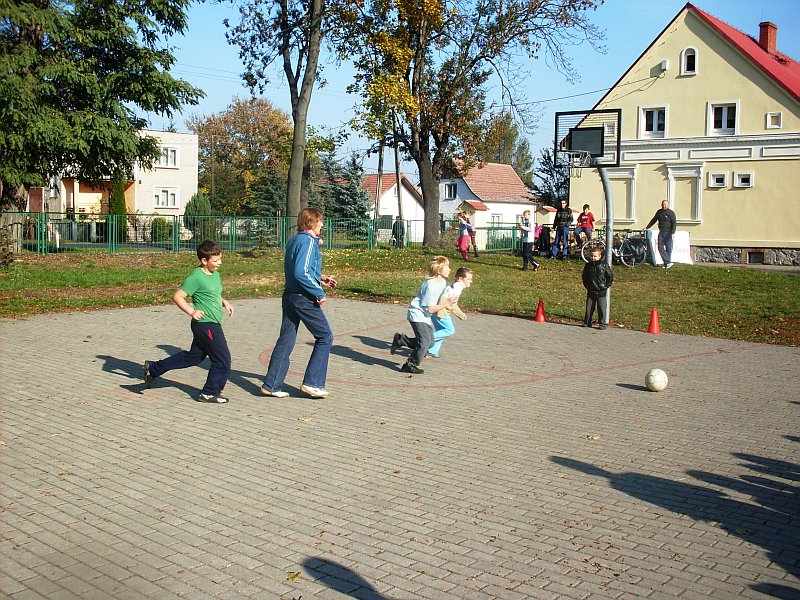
{"type": "Point", "coordinates": [597, 278]}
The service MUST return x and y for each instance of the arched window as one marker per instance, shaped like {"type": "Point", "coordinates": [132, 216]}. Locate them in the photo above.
{"type": "Point", "coordinates": [689, 62]}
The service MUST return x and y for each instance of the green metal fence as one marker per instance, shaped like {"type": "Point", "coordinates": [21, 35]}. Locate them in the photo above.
{"type": "Point", "coordinates": [46, 233]}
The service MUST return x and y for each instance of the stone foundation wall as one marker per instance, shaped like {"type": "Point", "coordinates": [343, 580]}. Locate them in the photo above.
{"type": "Point", "coordinates": [767, 256]}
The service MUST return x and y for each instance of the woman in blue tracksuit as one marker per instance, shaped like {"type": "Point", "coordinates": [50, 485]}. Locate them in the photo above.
{"type": "Point", "coordinates": [303, 299]}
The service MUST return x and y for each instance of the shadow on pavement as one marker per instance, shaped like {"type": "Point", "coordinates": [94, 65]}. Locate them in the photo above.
{"type": "Point", "coordinates": [134, 370]}
{"type": "Point", "coordinates": [340, 578]}
{"type": "Point", "coordinates": [365, 359]}
{"type": "Point", "coordinates": [773, 523]}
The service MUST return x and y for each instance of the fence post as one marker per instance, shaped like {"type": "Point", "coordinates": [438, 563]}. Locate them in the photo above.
{"type": "Point", "coordinates": [233, 234]}
{"type": "Point", "coordinates": [329, 237]}
{"type": "Point", "coordinates": [41, 232]}
{"type": "Point", "coordinates": [111, 232]}
{"type": "Point", "coordinates": [176, 234]}
{"type": "Point", "coordinates": [371, 234]}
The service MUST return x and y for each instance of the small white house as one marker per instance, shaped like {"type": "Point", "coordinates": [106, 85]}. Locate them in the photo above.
{"type": "Point", "coordinates": [385, 202]}
{"type": "Point", "coordinates": [496, 186]}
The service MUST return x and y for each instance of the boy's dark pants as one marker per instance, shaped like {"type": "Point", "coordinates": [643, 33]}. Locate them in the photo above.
{"type": "Point", "coordinates": [420, 344]}
{"type": "Point", "coordinates": [207, 340]}
{"type": "Point", "coordinates": [600, 300]}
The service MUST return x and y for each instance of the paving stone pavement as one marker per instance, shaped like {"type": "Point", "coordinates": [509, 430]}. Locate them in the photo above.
{"type": "Point", "coordinates": [527, 462]}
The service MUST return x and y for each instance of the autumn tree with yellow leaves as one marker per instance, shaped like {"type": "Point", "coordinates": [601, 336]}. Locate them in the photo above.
{"type": "Point", "coordinates": [424, 69]}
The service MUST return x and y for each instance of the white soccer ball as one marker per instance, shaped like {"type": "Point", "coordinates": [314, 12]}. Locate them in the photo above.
{"type": "Point", "coordinates": [656, 380]}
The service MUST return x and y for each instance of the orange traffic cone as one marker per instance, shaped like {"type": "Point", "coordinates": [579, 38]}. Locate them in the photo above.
{"type": "Point", "coordinates": [654, 325]}
{"type": "Point", "coordinates": [539, 318]}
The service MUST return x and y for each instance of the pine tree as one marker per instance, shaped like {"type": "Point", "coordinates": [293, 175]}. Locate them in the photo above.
{"type": "Point", "coordinates": [117, 206]}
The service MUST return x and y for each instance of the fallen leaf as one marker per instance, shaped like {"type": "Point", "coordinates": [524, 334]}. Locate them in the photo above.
{"type": "Point", "coordinates": [594, 437]}
{"type": "Point", "coordinates": [420, 457]}
{"type": "Point", "coordinates": [304, 418]}
{"type": "Point", "coordinates": [293, 575]}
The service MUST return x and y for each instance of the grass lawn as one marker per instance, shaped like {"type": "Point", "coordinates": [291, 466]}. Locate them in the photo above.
{"type": "Point", "coordinates": [733, 303]}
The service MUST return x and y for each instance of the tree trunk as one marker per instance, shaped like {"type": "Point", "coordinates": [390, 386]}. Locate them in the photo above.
{"type": "Point", "coordinates": [300, 102]}
{"type": "Point", "coordinates": [430, 200]}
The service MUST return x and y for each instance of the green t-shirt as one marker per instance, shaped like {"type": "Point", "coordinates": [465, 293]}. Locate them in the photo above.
{"type": "Point", "coordinates": [206, 294]}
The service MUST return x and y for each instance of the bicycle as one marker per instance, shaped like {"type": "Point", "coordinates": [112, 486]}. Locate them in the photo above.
{"type": "Point", "coordinates": [629, 247]}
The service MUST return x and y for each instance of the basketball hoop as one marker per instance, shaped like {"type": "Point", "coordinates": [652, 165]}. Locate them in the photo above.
{"type": "Point", "coordinates": [576, 161]}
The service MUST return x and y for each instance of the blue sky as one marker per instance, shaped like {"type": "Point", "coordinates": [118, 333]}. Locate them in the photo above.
{"type": "Point", "coordinates": [205, 59]}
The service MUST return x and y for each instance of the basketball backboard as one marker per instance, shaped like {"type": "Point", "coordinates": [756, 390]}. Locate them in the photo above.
{"type": "Point", "coordinates": [587, 138]}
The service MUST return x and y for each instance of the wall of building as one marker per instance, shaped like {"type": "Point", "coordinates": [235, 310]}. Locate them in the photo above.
{"type": "Point", "coordinates": [180, 177]}
{"type": "Point", "coordinates": [677, 167]}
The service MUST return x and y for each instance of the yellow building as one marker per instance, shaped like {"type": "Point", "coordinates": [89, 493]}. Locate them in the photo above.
{"type": "Point", "coordinates": [710, 122]}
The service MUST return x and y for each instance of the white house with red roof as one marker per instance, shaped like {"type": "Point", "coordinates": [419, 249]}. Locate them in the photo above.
{"type": "Point", "coordinates": [490, 188]}
{"type": "Point", "coordinates": [385, 202]}
{"type": "Point", "coordinates": [711, 123]}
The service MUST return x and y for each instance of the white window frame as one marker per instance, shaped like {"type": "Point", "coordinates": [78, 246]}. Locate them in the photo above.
{"type": "Point", "coordinates": [714, 175]}
{"type": "Point", "coordinates": [629, 174]}
{"type": "Point", "coordinates": [710, 129]}
{"type": "Point", "coordinates": [655, 134]}
{"type": "Point", "coordinates": [738, 177]}
{"type": "Point", "coordinates": [158, 194]}
{"type": "Point", "coordinates": [686, 171]}
{"type": "Point", "coordinates": [777, 116]}
{"type": "Point", "coordinates": [169, 158]}
{"type": "Point", "coordinates": [684, 70]}
{"type": "Point", "coordinates": [448, 187]}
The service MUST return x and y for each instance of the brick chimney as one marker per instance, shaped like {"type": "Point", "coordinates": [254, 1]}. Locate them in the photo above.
{"type": "Point", "coordinates": [768, 36]}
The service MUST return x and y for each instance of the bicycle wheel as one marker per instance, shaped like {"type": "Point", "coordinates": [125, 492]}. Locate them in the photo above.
{"type": "Point", "coordinates": [632, 254]}
{"type": "Point", "coordinates": [586, 249]}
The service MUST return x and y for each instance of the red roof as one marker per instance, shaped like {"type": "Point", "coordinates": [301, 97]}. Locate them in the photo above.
{"type": "Point", "coordinates": [493, 182]}
{"type": "Point", "coordinates": [388, 180]}
{"type": "Point", "coordinates": [778, 66]}
{"type": "Point", "coordinates": [476, 204]}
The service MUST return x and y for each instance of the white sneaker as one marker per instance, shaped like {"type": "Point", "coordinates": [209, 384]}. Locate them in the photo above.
{"type": "Point", "coordinates": [669, 266]}
{"type": "Point", "coordinates": [314, 392]}
{"type": "Point", "coordinates": [275, 394]}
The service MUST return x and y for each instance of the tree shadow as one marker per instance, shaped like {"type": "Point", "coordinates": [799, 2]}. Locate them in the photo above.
{"type": "Point", "coordinates": [340, 578]}
{"type": "Point", "coordinates": [772, 523]}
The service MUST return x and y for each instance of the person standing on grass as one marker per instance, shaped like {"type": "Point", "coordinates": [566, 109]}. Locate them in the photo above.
{"type": "Point", "coordinates": [562, 223]}
{"type": "Point", "coordinates": [399, 233]}
{"type": "Point", "coordinates": [472, 235]}
{"type": "Point", "coordinates": [302, 301]}
{"type": "Point", "coordinates": [463, 235]}
{"type": "Point", "coordinates": [666, 229]}
{"type": "Point", "coordinates": [420, 310]}
{"type": "Point", "coordinates": [203, 287]}
{"type": "Point", "coordinates": [597, 278]}
{"type": "Point", "coordinates": [528, 233]}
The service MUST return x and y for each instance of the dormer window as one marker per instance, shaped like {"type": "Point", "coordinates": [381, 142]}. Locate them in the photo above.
{"type": "Point", "coordinates": [450, 190]}
{"type": "Point", "coordinates": [689, 62]}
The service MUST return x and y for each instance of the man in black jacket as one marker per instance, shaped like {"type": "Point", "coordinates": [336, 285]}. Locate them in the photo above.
{"type": "Point", "coordinates": [562, 224]}
{"type": "Point", "coordinates": [666, 229]}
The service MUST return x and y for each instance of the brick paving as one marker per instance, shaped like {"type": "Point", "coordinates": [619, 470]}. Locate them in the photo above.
{"type": "Point", "coordinates": [527, 462]}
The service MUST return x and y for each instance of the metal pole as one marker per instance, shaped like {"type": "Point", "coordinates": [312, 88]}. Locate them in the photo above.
{"type": "Point", "coordinates": [609, 230]}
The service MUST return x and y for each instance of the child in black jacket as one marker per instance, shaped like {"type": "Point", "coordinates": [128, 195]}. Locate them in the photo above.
{"type": "Point", "coordinates": [597, 278]}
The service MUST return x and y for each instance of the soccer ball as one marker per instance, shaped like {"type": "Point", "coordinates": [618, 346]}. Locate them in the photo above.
{"type": "Point", "coordinates": [656, 380]}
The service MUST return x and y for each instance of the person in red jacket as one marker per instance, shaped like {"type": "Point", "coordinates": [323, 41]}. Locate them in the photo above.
{"type": "Point", "coordinates": [585, 225]}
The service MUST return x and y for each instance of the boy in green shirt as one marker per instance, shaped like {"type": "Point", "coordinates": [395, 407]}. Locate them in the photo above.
{"type": "Point", "coordinates": [203, 287]}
